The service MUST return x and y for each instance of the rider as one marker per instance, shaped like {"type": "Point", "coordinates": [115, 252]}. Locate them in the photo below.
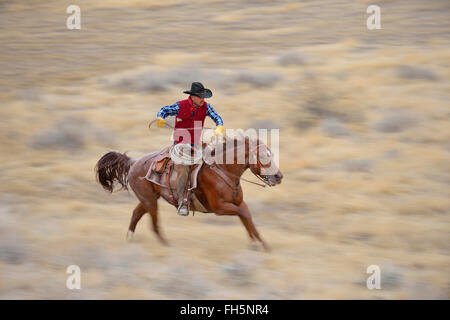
{"type": "Point", "coordinates": [190, 114]}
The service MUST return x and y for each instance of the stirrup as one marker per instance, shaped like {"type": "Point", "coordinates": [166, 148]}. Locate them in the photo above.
{"type": "Point", "coordinates": [183, 209]}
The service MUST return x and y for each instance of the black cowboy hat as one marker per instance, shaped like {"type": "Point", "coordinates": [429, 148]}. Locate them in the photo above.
{"type": "Point", "coordinates": [197, 89]}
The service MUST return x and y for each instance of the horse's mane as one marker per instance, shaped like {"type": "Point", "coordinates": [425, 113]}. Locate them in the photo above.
{"type": "Point", "coordinates": [238, 140]}
{"type": "Point", "coordinates": [234, 141]}
{"type": "Point", "coordinates": [239, 143]}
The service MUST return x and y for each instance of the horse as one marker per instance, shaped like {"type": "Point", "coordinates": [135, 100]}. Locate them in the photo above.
{"type": "Point", "coordinates": [218, 183]}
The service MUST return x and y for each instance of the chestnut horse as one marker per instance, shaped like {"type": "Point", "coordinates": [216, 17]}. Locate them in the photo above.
{"type": "Point", "coordinates": [218, 183]}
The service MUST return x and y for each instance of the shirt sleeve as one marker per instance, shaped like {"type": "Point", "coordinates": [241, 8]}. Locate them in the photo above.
{"type": "Point", "coordinates": [213, 115]}
{"type": "Point", "coordinates": [171, 110]}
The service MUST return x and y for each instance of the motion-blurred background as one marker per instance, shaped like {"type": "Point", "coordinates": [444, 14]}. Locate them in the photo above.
{"type": "Point", "coordinates": [364, 147]}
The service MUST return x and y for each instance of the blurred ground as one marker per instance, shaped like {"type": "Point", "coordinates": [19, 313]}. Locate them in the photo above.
{"type": "Point", "coordinates": [365, 148]}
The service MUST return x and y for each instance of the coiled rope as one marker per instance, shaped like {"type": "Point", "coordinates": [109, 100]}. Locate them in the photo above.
{"type": "Point", "coordinates": [180, 153]}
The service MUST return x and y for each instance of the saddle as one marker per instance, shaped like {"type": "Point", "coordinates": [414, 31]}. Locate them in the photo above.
{"type": "Point", "coordinates": [161, 172]}
{"type": "Point", "coordinates": [160, 166]}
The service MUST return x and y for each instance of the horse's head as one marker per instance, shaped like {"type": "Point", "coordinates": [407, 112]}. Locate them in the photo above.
{"type": "Point", "coordinates": [246, 152]}
{"type": "Point", "coordinates": [262, 163]}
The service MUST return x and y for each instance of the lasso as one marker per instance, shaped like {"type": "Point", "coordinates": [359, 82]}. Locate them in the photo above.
{"type": "Point", "coordinates": [181, 154]}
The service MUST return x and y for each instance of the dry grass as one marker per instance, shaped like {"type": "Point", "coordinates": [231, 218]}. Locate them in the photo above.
{"type": "Point", "coordinates": [364, 148]}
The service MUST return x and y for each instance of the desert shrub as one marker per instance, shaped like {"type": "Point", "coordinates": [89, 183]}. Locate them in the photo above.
{"type": "Point", "coordinates": [320, 99]}
{"type": "Point", "coordinates": [240, 271]}
{"type": "Point", "coordinates": [70, 134]}
{"type": "Point", "coordinates": [291, 58]}
{"type": "Point", "coordinates": [150, 80]}
{"type": "Point", "coordinates": [413, 72]}
{"type": "Point", "coordinates": [13, 249]}
{"type": "Point", "coordinates": [180, 283]}
{"type": "Point", "coordinates": [258, 80]}
{"type": "Point", "coordinates": [264, 124]}
{"type": "Point", "coordinates": [396, 121]}
{"type": "Point", "coordinates": [391, 277]}
{"type": "Point", "coordinates": [237, 273]}
{"type": "Point", "coordinates": [358, 165]}
{"type": "Point", "coordinates": [334, 127]}
{"type": "Point", "coordinates": [93, 258]}
{"type": "Point", "coordinates": [147, 81]}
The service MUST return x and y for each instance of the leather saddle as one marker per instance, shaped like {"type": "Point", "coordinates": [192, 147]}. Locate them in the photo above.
{"type": "Point", "coordinates": [160, 166]}
{"type": "Point", "coordinates": [161, 172]}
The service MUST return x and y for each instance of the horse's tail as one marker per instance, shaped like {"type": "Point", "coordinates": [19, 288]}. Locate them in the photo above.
{"type": "Point", "coordinates": [113, 166]}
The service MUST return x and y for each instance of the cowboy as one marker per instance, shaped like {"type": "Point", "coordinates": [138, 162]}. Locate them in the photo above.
{"type": "Point", "coordinates": [190, 117]}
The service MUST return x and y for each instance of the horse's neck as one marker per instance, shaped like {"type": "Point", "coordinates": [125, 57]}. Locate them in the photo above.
{"type": "Point", "coordinates": [234, 169]}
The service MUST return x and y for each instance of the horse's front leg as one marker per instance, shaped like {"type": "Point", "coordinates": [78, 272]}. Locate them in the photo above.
{"type": "Point", "coordinates": [228, 208]}
{"type": "Point", "coordinates": [246, 219]}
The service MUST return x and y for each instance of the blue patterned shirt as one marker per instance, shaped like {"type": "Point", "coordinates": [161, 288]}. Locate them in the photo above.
{"type": "Point", "coordinates": [172, 110]}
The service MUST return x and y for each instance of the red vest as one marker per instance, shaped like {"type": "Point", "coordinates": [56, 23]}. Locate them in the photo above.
{"type": "Point", "coordinates": [189, 117]}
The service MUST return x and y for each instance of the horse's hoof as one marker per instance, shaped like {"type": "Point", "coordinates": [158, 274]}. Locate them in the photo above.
{"type": "Point", "coordinates": [259, 246]}
{"type": "Point", "coordinates": [130, 235]}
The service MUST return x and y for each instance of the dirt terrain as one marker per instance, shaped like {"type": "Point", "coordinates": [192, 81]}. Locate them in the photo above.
{"type": "Point", "coordinates": [364, 147]}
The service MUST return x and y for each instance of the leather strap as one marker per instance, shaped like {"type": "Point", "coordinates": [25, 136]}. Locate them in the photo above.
{"type": "Point", "coordinates": [225, 178]}
{"type": "Point", "coordinates": [169, 172]}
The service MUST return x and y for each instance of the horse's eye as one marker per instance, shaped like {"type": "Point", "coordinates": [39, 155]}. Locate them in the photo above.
{"type": "Point", "coordinates": [267, 155]}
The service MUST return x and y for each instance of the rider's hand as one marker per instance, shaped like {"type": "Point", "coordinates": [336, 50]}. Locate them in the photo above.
{"type": "Point", "coordinates": [160, 122]}
{"type": "Point", "coordinates": [219, 130]}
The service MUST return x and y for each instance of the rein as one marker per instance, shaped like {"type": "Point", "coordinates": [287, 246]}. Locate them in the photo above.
{"type": "Point", "coordinates": [236, 176]}
{"type": "Point", "coordinates": [258, 184]}
{"type": "Point", "coordinates": [223, 174]}
{"type": "Point", "coordinates": [240, 178]}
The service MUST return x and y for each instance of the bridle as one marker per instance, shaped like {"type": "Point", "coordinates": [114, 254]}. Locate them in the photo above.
{"type": "Point", "coordinates": [259, 165]}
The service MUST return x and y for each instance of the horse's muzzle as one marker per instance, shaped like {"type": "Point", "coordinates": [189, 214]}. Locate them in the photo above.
{"type": "Point", "coordinates": [274, 179]}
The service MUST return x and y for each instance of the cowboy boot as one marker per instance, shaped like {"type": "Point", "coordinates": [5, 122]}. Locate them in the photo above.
{"type": "Point", "coordinates": [182, 202]}
{"type": "Point", "coordinates": [183, 206]}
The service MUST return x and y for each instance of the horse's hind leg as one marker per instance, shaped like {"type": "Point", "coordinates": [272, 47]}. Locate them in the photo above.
{"type": "Point", "coordinates": [146, 193]}
{"type": "Point", "coordinates": [154, 214]}
{"type": "Point", "coordinates": [138, 212]}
